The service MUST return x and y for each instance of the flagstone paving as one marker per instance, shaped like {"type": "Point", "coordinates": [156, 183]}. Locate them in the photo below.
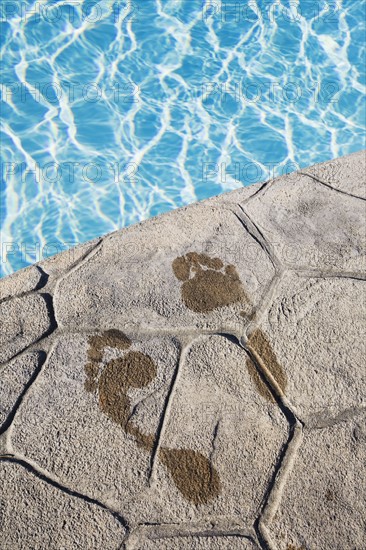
{"type": "Point", "coordinates": [194, 381]}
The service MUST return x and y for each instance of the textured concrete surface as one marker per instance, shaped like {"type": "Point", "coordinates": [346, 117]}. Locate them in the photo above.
{"type": "Point", "coordinates": [38, 515]}
{"type": "Point", "coordinates": [194, 381]}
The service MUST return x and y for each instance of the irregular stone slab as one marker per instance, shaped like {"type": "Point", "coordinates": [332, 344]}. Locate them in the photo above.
{"type": "Point", "coordinates": [24, 320]}
{"type": "Point", "coordinates": [14, 378]}
{"type": "Point", "coordinates": [168, 272]}
{"type": "Point", "coordinates": [316, 328]}
{"type": "Point", "coordinates": [310, 226]}
{"type": "Point", "coordinates": [200, 543]}
{"type": "Point", "coordinates": [221, 441]}
{"type": "Point", "coordinates": [347, 174]}
{"type": "Point", "coordinates": [24, 280]}
{"type": "Point", "coordinates": [323, 504]}
{"type": "Point", "coordinates": [40, 516]}
{"type": "Point", "coordinates": [101, 395]}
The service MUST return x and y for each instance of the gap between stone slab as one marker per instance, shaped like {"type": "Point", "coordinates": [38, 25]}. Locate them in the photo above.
{"type": "Point", "coordinates": [253, 230]}
{"type": "Point", "coordinates": [277, 486]}
{"type": "Point", "coordinates": [156, 531]}
{"type": "Point", "coordinates": [272, 498]}
{"type": "Point", "coordinates": [330, 186]}
{"type": "Point", "coordinates": [166, 411]}
{"type": "Point", "coordinates": [319, 274]}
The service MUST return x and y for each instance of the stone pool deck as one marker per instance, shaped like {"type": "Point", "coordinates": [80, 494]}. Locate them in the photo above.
{"type": "Point", "coordinates": [196, 381]}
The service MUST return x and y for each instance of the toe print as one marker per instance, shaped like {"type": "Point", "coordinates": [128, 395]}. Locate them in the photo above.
{"type": "Point", "coordinates": [194, 476]}
{"type": "Point", "coordinates": [207, 283]}
{"type": "Point", "coordinates": [110, 338]}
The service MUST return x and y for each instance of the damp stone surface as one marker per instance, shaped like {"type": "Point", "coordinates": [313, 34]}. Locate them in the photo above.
{"type": "Point", "coordinates": [196, 381]}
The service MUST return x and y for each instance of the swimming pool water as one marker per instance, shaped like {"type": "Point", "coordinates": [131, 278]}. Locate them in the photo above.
{"type": "Point", "coordinates": [113, 112]}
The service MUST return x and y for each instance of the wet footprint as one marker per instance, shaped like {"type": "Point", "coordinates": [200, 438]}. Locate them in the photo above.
{"type": "Point", "coordinates": [259, 343]}
{"type": "Point", "coordinates": [133, 370]}
{"type": "Point", "coordinates": [207, 284]}
{"type": "Point", "coordinates": [192, 473]}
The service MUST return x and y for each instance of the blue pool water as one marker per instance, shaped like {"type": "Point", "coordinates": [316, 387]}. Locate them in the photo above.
{"type": "Point", "coordinates": [113, 112]}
